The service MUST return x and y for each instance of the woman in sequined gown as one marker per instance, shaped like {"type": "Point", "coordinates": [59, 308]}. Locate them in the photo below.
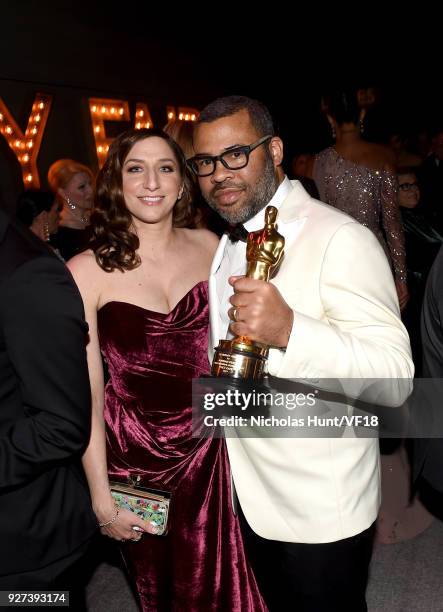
{"type": "Point", "coordinates": [359, 178]}
{"type": "Point", "coordinates": [144, 288]}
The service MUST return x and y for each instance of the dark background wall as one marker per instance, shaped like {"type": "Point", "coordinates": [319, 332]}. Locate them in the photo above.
{"type": "Point", "coordinates": [158, 55]}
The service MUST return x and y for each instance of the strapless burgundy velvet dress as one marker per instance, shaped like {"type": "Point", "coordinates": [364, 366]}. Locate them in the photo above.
{"type": "Point", "coordinates": [200, 565]}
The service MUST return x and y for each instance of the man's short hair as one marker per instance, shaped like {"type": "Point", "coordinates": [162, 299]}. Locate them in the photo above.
{"type": "Point", "coordinates": [229, 105]}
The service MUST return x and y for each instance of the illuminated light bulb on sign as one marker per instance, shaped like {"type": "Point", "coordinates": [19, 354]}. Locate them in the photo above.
{"type": "Point", "coordinates": [41, 105]}
{"type": "Point", "coordinates": [182, 113]}
{"type": "Point", "coordinates": [29, 144]}
{"type": "Point", "coordinates": [29, 178]}
{"type": "Point", "coordinates": [8, 130]}
{"type": "Point", "coordinates": [37, 118]}
{"type": "Point", "coordinates": [112, 110]}
{"type": "Point", "coordinates": [121, 111]}
{"type": "Point", "coordinates": [142, 110]}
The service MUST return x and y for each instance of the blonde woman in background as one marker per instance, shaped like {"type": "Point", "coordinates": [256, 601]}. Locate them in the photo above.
{"type": "Point", "coordinates": [73, 185]}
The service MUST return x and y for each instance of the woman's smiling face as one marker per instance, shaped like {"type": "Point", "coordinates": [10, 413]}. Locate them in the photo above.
{"type": "Point", "coordinates": [151, 179]}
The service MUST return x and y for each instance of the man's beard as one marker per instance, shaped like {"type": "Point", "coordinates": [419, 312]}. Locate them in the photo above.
{"type": "Point", "coordinates": [260, 195]}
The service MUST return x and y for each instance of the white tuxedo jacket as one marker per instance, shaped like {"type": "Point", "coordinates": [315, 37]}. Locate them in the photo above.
{"type": "Point", "coordinates": [336, 278]}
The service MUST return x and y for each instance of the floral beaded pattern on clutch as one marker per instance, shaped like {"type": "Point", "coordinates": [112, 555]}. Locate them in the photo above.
{"type": "Point", "coordinates": [149, 504]}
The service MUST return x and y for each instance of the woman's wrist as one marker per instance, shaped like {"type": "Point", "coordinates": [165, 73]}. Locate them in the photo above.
{"type": "Point", "coordinates": [104, 509]}
{"type": "Point", "coordinates": [112, 519]}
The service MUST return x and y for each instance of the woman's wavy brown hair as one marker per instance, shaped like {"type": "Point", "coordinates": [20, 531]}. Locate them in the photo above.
{"type": "Point", "coordinates": [114, 240]}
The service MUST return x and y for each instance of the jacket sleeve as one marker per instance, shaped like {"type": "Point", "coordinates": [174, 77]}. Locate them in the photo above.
{"type": "Point", "coordinates": [41, 318]}
{"type": "Point", "coordinates": [431, 321]}
{"type": "Point", "coordinates": [361, 334]}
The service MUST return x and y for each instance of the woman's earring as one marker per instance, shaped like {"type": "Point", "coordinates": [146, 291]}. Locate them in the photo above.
{"type": "Point", "coordinates": [46, 235]}
{"type": "Point", "coordinates": [333, 131]}
{"type": "Point", "coordinates": [70, 203]}
{"type": "Point", "coordinates": [362, 126]}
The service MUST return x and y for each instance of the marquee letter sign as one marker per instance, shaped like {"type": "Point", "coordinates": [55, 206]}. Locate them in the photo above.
{"type": "Point", "coordinates": [27, 146]}
{"type": "Point", "coordinates": [142, 117]}
{"type": "Point", "coordinates": [102, 109]}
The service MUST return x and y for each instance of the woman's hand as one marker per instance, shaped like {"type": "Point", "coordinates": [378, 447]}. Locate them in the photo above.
{"type": "Point", "coordinates": [123, 524]}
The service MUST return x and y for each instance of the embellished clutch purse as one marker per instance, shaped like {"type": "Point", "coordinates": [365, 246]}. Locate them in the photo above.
{"type": "Point", "coordinates": [149, 504]}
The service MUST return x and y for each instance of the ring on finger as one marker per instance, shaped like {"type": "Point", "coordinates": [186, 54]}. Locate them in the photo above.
{"type": "Point", "coordinates": [234, 315]}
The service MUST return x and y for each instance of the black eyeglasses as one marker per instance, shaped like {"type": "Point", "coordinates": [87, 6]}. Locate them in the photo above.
{"type": "Point", "coordinates": [407, 186]}
{"type": "Point", "coordinates": [234, 159]}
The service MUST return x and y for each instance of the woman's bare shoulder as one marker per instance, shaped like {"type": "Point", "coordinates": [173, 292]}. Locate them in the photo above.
{"type": "Point", "coordinates": [384, 155]}
{"type": "Point", "coordinates": [84, 260]}
{"type": "Point", "coordinates": [84, 268]}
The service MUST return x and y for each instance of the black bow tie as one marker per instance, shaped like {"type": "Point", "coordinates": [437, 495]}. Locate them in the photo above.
{"type": "Point", "coordinates": [238, 232]}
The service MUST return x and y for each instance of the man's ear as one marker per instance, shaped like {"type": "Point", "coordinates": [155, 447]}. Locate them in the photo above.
{"type": "Point", "coordinates": [276, 149]}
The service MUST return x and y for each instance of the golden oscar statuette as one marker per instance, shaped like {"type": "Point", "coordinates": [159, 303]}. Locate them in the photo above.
{"type": "Point", "coordinates": [242, 358]}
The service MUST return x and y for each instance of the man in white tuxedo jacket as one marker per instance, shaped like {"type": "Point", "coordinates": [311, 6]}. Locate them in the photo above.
{"type": "Point", "coordinates": [308, 506]}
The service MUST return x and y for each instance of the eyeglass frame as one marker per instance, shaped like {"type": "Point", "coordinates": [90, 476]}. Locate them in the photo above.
{"type": "Point", "coordinates": [247, 149]}
{"type": "Point", "coordinates": [408, 186]}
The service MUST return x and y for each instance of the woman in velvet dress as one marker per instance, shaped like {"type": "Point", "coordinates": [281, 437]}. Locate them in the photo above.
{"type": "Point", "coordinates": [144, 286]}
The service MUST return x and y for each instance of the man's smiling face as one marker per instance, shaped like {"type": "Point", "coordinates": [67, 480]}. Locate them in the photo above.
{"type": "Point", "coordinates": [237, 195]}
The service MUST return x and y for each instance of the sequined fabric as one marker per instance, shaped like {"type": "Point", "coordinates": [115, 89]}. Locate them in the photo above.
{"type": "Point", "coordinates": [200, 565]}
{"type": "Point", "coordinates": [370, 196]}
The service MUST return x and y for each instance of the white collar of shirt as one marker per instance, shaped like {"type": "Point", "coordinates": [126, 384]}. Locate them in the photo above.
{"type": "Point", "coordinates": [257, 222]}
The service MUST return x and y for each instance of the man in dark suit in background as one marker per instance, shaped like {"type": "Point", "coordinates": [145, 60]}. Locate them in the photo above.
{"type": "Point", "coordinates": [428, 453]}
{"type": "Point", "coordinates": [430, 176]}
{"type": "Point", "coordinates": [46, 520]}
